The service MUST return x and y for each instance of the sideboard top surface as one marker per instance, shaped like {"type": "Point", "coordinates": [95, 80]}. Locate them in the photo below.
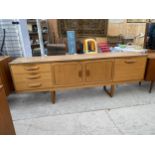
{"type": "Point", "coordinates": [75, 57]}
{"type": "Point", "coordinates": [151, 55]}
{"type": "Point", "coordinates": [3, 57]}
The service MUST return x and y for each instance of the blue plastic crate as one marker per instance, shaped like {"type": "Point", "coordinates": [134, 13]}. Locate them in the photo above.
{"type": "Point", "coordinates": [71, 41]}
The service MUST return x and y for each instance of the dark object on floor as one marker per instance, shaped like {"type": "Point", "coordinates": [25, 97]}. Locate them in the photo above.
{"type": "Point", "coordinates": [56, 49]}
{"type": "Point", "coordinates": [6, 123]}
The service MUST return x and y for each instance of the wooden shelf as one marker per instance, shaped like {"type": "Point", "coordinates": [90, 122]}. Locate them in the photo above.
{"type": "Point", "coordinates": [34, 45]}
{"type": "Point", "coordinates": [31, 21]}
{"type": "Point", "coordinates": [36, 33]}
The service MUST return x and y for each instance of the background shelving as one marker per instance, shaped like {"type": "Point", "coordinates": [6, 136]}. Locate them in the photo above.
{"type": "Point", "coordinates": [33, 33]}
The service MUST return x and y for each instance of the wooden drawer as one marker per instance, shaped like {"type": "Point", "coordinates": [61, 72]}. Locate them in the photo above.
{"type": "Point", "coordinates": [32, 77]}
{"type": "Point", "coordinates": [30, 68]}
{"type": "Point", "coordinates": [128, 69]}
{"type": "Point", "coordinates": [36, 85]}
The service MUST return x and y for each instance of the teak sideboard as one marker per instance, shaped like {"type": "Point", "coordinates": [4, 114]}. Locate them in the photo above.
{"type": "Point", "coordinates": [51, 73]}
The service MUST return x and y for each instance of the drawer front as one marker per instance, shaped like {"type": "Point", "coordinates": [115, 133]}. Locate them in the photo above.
{"type": "Point", "coordinates": [36, 85]}
{"type": "Point", "coordinates": [127, 69]}
{"type": "Point", "coordinates": [32, 77]}
{"type": "Point", "coordinates": [30, 68]}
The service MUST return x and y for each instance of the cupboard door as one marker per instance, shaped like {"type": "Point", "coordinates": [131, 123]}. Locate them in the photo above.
{"type": "Point", "coordinates": [99, 71]}
{"type": "Point", "coordinates": [129, 69]}
{"type": "Point", "coordinates": [69, 73]}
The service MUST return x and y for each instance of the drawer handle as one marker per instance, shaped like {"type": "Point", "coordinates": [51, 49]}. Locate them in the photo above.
{"type": "Point", "coordinates": [80, 74]}
{"type": "Point", "coordinates": [87, 73]}
{"type": "Point", "coordinates": [130, 61]}
{"type": "Point", "coordinates": [34, 77]}
{"type": "Point", "coordinates": [32, 68]}
{"type": "Point", "coordinates": [35, 85]}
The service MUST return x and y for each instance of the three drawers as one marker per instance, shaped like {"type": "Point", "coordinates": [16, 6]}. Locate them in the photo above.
{"type": "Point", "coordinates": [31, 76]}
{"type": "Point", "coordinates": [128, 69]}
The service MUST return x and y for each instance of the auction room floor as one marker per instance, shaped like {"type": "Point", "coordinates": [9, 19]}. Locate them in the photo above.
{"type": "Point", "coordinates": [85, 111]}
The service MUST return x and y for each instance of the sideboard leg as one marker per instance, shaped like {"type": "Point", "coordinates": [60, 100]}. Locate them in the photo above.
{"type": "Point", "coordinates": [111, 92]}
{"type": "Point", "coordinates": [53, 96]}
{"type": "Point", "coordinates": [140, 83]}
{"type": "Point", "coordinates": [151, 85]}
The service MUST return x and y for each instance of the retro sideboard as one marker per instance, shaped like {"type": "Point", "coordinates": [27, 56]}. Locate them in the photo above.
{"type": "Point", "coordinates": [52, 73]}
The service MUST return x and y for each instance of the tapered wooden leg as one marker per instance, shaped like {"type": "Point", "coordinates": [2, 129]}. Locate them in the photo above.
{"type": "Point", "coordinates": [140, 83]}
{"type": "Point", "coordinates": [151, 85]}
{"type": "Point", "coordinates": [53, 96]}
{"type": "Point", "coordinates": [111, 92]}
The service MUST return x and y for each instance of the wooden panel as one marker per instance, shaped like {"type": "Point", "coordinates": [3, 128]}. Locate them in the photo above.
{"type": "Point", "coordinates": [127, 29]}
{"type": "Point", "coordinates": [129, 69]}
{"type": "Point", "coordinates": [150, 70]}
{"type": "Point", "coordinates": [33, 85]}
{"type": "Point", "coordinates": [99, 71]}
{"type": "Point", "coordinates": [6, 124]}
{"type": "Point", "coordinates": [83, 27]}
{"type": "Point", "coordinates": [32, 77]}
{"type": "Point", "coordinates": [28, 68]}
{"type": "Point", "coordinates": [67, 73]}
{"type": "Point", "coordinates": [0, 81]}
{"type": "Point", "coordinates": [5, 75]}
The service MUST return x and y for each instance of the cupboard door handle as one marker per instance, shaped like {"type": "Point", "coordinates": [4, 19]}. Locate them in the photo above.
{"type": "Point", "coordinates": [130, 61]}
{"type": "Point", "coordinates": [35, 85]}
{"type": "Point", "coordinates": [87, 73]}
{"type": "Point", "coordinates": [34, 77]}
{"type": "Point", "coordinates": [32, 68]}
{"type": "Point", "coordinates": [80, 74]}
